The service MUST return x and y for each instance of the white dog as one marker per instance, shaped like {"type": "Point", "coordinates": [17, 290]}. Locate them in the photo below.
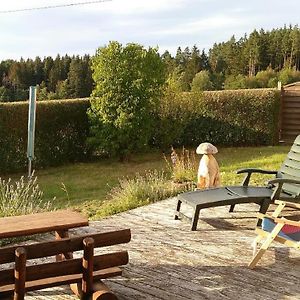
{"type": "Point", "coordinates": [208, 172]}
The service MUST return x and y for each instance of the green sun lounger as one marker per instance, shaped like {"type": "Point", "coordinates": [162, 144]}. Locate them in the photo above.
{"type": "Point", "coordinates": [285, 186]}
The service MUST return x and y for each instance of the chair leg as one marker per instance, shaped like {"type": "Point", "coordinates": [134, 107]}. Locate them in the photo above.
{"type": "Point", "coordinates": [254, 244]}
{"type": "Point", "coordinates": [176, 216]}
{"type": "Point", "coordinates": [231, 208]}
{"type": "Point", "coordinates": [264, 205]}
{"type": "Point", "coordinates": [195, 218]}
{"type": "Point", "coordinates": [265, 245]}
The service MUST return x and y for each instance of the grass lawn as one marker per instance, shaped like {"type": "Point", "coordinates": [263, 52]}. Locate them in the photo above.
{"type": "Point", "coordinates": [85, 185]}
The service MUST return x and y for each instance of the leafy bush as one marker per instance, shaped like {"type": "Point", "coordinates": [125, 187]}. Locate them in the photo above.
{"type": "Point", "coordinates": [138, 191]}
{"type": "Point", "coordinates": [128, 85]}
{"type": "Point", "coordinates": [241, 117]}
{"type": "Point", "coordinates": [202, 82]}
{"type": "Point", "coordinates": [61, 131]}
{"type": "Point", "coordinates": [288, 75]}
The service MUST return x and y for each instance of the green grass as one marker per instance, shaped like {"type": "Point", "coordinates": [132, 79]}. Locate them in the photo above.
{"type": "Point", "coordinates": [88, 184]}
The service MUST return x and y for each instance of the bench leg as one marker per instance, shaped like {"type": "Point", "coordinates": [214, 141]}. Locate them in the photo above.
{"type": "Point", "coordinates": [58, 236]}
{"type": "Point", "coordinates": [101, 291]}
{"type": "Point", "coordinates": [176, 216]}
{"type": "Point", "coordinates": [87, 268]}
{"type": "Point", "coordinates": [195, 218]}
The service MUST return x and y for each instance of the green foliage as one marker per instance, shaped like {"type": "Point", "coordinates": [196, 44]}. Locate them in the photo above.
{"type": "Point", "coordinates": [288, 75]}
{"type": "Point", "coordinates": [21, 198]}
{"type": "Point", "coordinates": [176, 112]}
{"type": "Point", "coordinates": [63, 77]}
{"type": "Point", "coordinates": [263, 79]}
{"type": "Point", "coordinates": [140, 190]}
{"type": "Point", "coordinates": [241, 117]}
{"type": "Point", "coordinates": [174, 81]}
{"type": "Point", "coordinates": [61, 132]}
{"type": "Point", "coordinates": [128, 85]}
{"type": "Point", "coordinates": [5, 94]}
{"type": "Point", "coordinates": [233, 82]}
{"type": "Point", "coordinates": [202, 82]}
{"type": "Point", "coordinates": [267, 78]}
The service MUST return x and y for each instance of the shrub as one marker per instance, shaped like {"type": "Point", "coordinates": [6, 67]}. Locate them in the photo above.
{"type": "Point", "coordinates": [61, 131]}
{"type": "Point", "coordinates": [21, 198]}
{"type": "Point", "coordinates": [138, 191]}
{"type": "Point", "coordinates": [128, 85]}
{"type": "Point", "coordinates": [202, 82]}
{"type": "Point", "coordinates": [288, 75]}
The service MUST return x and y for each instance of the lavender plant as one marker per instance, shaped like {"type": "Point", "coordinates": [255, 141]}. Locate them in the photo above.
{"type": "Point", "coordinates": [21, 197]}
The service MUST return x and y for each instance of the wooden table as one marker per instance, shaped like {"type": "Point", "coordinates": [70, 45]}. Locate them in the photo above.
{"type": "Point", "coordinates": [57, 221]}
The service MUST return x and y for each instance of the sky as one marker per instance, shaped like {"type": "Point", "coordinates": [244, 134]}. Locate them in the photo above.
{"type": "Point", "coordinates": [167, 24]}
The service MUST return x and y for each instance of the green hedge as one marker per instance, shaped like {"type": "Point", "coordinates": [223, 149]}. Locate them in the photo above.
{"type": "Point", "coordinates": [232, 118]}
{"type": "Point", "coordinates": [61, 131]}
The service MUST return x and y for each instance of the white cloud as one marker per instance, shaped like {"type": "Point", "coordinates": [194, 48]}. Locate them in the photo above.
{"type": "Point", "coordinates": [167, 23]}
{"type": "Point", "coordinates": [206, 24]}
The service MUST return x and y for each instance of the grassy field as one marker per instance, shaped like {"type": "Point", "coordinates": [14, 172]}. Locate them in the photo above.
{"type": "Point", "coordinates": [85, 185]}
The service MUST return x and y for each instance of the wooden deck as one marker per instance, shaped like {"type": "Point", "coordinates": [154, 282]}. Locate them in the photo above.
{"type": "Point", "coordinates": [168, 261]}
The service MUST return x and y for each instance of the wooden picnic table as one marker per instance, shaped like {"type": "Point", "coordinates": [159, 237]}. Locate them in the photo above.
{"type": "Point", "coordinates": [57, 221]}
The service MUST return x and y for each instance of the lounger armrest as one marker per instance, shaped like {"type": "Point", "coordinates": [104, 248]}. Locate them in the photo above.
{"type": "Point", "coordinates": [249, 172]}
{"type": "Point", "coordinates": [280, 182]}
{"type": "Point", "coordinates": [283, 180]}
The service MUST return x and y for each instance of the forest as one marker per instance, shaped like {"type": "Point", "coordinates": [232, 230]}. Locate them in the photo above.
{"type": "Point", "coordinates": [257, 60]}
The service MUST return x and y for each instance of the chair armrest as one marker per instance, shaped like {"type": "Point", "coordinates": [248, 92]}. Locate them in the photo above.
{"type": "Point", "coordinates": [249, 172]}
{"type": "Point", "coordinates": [280, 182]}
{"type": "Point", "coordinates": [283, 180]}
{"type": "Point", "coordinates": [254, 170]}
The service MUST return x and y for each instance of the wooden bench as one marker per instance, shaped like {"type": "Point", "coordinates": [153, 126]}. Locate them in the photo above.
{"type": "Point", "coordinates": [81, 273]}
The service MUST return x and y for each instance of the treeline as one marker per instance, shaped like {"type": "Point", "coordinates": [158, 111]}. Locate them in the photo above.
{"type": "Point", "coordinates": [60, 78]}
{"type": "Point", "coordinates": [259, 60]}
{"type": "Point", "coordinates": [254, 61]}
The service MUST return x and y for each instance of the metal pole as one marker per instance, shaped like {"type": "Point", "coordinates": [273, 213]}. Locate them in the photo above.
{"type": "Point", "coordinates": [31, 128]}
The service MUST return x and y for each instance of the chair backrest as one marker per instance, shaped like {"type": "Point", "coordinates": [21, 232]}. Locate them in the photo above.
{"type": "Point", "coordinates": [291, 168]}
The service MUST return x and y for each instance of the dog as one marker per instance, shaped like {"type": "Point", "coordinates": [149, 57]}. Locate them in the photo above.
{"type": "Point", "coordinates": [208, 171]}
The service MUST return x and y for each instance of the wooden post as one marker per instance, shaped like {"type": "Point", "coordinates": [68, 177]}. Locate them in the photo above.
{"type": "Point", "coordinates": [280, 121]}
{"type": "Point", "coordinates": [20, 273]}
{"type": "Point", "coordinates": [87, 267]}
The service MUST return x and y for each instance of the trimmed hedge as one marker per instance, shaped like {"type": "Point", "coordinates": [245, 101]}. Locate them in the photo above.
{"type": "Point", "coordinates": [61, 131]}
{"type": "Point", "coordinates": [230, 117]}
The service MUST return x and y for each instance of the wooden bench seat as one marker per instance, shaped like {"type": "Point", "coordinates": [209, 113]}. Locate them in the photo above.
{"type": "Point", "coordinates": [83, 271]}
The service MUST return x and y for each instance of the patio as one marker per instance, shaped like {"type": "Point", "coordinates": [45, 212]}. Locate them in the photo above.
{"type": "Point", "coordinates": [168, 261]}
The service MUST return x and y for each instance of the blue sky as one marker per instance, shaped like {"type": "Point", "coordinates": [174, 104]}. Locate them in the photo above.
{"type": "Point", "coordinates": [164, 23]}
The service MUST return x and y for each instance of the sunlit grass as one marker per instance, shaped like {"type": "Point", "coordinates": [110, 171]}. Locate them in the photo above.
{"type": "Point", "coordinates": [86, 186]}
